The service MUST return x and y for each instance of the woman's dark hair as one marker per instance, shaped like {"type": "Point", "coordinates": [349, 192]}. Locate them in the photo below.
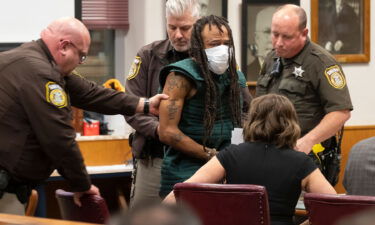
{"type": "Point", "coordinates": [272, 119]}
{"type": "Point", "coordinates": [197, 52]}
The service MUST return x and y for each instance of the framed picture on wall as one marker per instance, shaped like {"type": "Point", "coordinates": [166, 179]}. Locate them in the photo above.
{"type": "Point", "coordinates": [215, 7]}
{"type": "Point", "coordinates": [256, 34]}
{"type": "Point", "coordinates": [343, 28]}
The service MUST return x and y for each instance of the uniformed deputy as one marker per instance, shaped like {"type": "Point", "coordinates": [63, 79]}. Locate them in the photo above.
{"type": "Point", "coordinates": [36, 94]}
{"type": "Point", "coordinates": [308, 75]}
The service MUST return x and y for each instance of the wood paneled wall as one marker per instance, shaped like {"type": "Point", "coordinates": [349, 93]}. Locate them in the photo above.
{"type": "Point", "coordinates": [109, 152]}
{"type": "Point", "coordinates": [352, 135]}
{"type": "Point", "coordinates": [105, 152]}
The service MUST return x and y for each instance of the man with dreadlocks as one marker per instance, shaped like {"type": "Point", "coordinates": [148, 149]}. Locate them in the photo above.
{"type": "Point", "coordinates": [204, 104]}
{"type": "Point", "coordinates": [143, 80]}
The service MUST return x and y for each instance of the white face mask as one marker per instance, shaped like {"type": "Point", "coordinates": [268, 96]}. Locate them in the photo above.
{"type": "Point", "coordinates": [218, 58]}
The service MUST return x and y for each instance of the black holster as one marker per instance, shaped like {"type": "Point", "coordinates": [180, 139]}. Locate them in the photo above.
{"type": "Point", "coordinates": [145, 148]}
{"type": "Point", "coordinates": [7, 184]}
{"type": "Point", "coordinates": [330, 160]}
{"type": "Point", "coordinates": [4, 181]}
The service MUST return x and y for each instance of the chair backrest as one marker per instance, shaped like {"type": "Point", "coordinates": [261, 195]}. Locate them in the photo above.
{"type": "Point", "coordinates": [93, 210]}
{"type": "Point", "coordinates": [223, 204]}
{"type": "Point", "coordinates": [328, 209]}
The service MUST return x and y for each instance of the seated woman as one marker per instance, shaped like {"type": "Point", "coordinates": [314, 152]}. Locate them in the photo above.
{"type": "Point", "coordinates": [267, 158]}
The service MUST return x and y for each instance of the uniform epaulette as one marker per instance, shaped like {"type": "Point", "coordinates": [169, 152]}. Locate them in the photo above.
{"type": "Point", "coordinates": [75, 72]}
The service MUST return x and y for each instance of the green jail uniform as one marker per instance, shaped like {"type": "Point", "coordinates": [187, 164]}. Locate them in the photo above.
{"type": "Point", "coordinates": [177, 166]}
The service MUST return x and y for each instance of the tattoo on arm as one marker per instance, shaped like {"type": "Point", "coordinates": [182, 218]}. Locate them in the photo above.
{"type": "Point", "coordinates": [177, 82]}
{"type": "Point", "coordinates": [177, 138]}
{"type": "Point", "coordinates": [172, 109]}
{"type": "Point", "coordinates": [178, 86]}
{"type": "Point", "coordinates": [172, 83]}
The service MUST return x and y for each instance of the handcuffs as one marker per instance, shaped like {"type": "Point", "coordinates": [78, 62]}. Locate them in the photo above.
{"type": "Point", "coordinates": [211, 152]}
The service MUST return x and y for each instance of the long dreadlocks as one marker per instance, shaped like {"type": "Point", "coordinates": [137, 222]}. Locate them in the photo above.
{"type": "Point", "coordinates": [198, 53]}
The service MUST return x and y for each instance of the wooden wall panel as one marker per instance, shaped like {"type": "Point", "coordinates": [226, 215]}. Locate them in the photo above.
{"type": "Point", "coordinates": [105, 152]}
{"type": "Point", "coordinates": [352, 135]}
{"type": "Point", "coordinates": [109, 152]}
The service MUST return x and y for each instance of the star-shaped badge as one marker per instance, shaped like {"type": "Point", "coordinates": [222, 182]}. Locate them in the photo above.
{"type": "Point", "coordinates": [298, 71]}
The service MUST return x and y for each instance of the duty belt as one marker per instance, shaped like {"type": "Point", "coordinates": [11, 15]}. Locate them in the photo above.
{"type": "Point", "coordinates": [7, 184]}
{"type": "Point", "coordinates": [327, 157]}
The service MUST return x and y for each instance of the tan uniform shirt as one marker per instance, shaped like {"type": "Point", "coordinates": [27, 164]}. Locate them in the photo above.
{"type": "Point", "coordinates": [312, 80]}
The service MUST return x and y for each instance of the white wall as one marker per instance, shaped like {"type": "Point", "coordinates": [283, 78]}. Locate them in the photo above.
{"type": "Point", "coordinates": [147, 24]}
{"type": "Point", "coordinates": [234, 19]}
{"type": "Point", "coordinates": [22, 20]}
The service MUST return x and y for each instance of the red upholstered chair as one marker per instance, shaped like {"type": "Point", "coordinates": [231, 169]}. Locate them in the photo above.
{"type": "Point", "coordinates": [328, 209]}
{"type": "Point", "coordinates": [93, 210]}
{"type": "Point", "coordinates": [223, 204]}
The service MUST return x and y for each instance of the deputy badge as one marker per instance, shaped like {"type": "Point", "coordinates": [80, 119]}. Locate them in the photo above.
{"type": "Point", "coordinates": [134, 69]}
{"type": "Point", "coordinates": [298, 72]}
{"type": "Point", "coordinates": [56, 95]}
{"type": "Point", "coordinates": [335, 77]}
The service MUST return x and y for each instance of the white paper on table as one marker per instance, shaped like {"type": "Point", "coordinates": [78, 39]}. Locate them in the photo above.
{"type": "Point", "coordinates": [237, 137]}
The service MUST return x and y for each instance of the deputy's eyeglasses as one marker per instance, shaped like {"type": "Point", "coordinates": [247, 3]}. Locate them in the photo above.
{"type": "Point", "coordinates": [82, 55]}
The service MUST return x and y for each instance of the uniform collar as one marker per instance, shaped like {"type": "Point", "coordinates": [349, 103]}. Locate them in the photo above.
{"type": "Point", "coordinates": [48, 54]}
{"type": "Point", "coordinates": [299, 58]}
{"type": "Point", "coordinates": [163, 49]}
{"type": "Point", "coordinates": [167, 54]}
{"type": "Point", "coordinates": [45, 49]}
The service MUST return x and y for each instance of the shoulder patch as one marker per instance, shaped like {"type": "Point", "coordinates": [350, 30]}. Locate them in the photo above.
{"type": "Point", "coordinates": [134, 68]}
{"type": "Point", "coordinates": [238, 67]}
{"type": "Point", "coordinates": [335, 77]}
{"type": "Point", "coordinates": [56, 95]}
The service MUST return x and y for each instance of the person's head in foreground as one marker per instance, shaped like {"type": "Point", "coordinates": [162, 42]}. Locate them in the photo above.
{"type": "Point", "coordinates": [157, 214]}
{"type": "Point", "coordinates": [363, 217]}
